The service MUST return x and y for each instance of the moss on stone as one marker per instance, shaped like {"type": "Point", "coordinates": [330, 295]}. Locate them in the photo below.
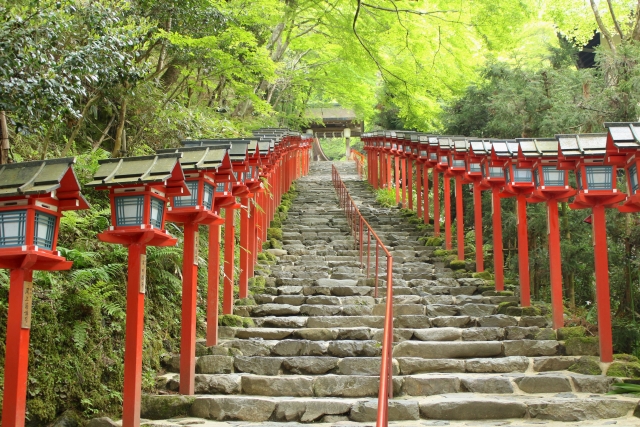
{"type": "Point", "coordinates": [245, 302]}
{"type": "Point", "coordinates": [625, 358]}
{"type": "Point", "coordinates": [440, 252]}
{"type": "Point", "coordinates": [586, 365]}
{"type": "Point", "coordinates": [234, 321]}
{"type": "Point", "coordinates": [434, 241]}
{"type": "Point", "coordinates": [582, 346]}
{"type": "Point", "coordinates": [624, 370]}
{"type": "Point", "coordinates": [414, 220]}
{"type": "Point", "coordinates": [571, 332]}
{"type": "Point", "coordinates": [514, 311]}
{"type": "Point", "coordinates": [531, 311]}
{"type": "Point", "coordinates": [275, 244]}
{"type": "Point", "coordinates": [505, 293]}
{"type": "Point", "coordinates": [485, 275]}
{"type": "Point", "coordinates": [457, 264]}
{"type": "Point", "coordinates": [504, 306]}
{"type": "Point", "coordinates": [274, 233]}
{"type": "Point", "coordinates": [482, 289]}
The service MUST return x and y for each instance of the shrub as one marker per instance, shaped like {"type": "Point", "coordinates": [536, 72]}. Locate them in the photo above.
{"type": "Point", "coordinates": [274, 233]}
{"type": "Point", "coordinates": [434, 241]}
{"type": "Point", "coordinates": [457, 264]}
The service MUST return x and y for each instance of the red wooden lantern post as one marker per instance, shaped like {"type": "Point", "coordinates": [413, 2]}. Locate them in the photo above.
{"type": "Point", "coordinates": [551, 186]}
{"type": "Point", "coordinates": [384, 165]}
{"type": "Point", "coordinates": [444, 144]}
{"type": "Point", "coordinates": [415, 154]}
{"type": "Point", "coordinates": [386, 149]}
{"type": "Point", "coordinates": [458, 170]}
{"type": "Point", "coordinates": [138, 189]}
{"type": "Point", "coordinates": [423, 164]}
{"type": "Point", "coordinates": [434, 148]}
{"type": "Point", "coordinates": [596, 181]}
{"type": "Point", "coordinates": [199, 165]}
{"type": "Point", "coordinates": [493, 177]}
{"type": "Point", "coordinates": [474, 175]}
{"type": "Point", "coordinates": [396, 164]}
{"type": "Point", "coordinates": [33, 196]}
{"type": "Point", "coordinates": [400, 157]}
{"type": "Point", "coordinates": [408, 159]}
{"type": "Point", "coordinates": [519, 183]}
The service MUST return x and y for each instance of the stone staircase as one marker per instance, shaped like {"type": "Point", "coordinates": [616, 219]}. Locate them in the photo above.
{"type": "Point", "coordinates": [313, 354]}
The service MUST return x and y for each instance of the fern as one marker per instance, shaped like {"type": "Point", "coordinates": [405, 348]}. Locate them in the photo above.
{"type": "Point", "coordinates": [79, 334]}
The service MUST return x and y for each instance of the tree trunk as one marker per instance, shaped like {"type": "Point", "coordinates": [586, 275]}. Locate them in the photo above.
{"type": "Point", "coordinates": [75, 131]}
{"type": "Point", "coordinates": [104, 134]}
{"type": "Point", "coordinates": [4, 139]}
{"type": "Point", "coordinates": [117, 146]}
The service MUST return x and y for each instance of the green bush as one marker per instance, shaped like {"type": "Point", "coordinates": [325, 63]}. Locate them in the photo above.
{"type": "Point", "coordinates": [483, 275]}
{"type": "Point", "coordinates": [434, 241]}
{"type": "Point", "coordinates": [274, 233]}
{"type": "Point", "coordinates": [457, 264]}
{"type": "Point", "coordinates": [235, 321]}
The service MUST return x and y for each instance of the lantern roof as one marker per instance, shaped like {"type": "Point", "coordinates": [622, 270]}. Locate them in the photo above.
{"type": "Point", "coordinates": [238, 148]}
{"type": "Point", "coordinates": [533, 148]}
{"type": "Point", "coordinates": [460, 145]}
{"type": "Point", "coordinates": [624, 136]}
{"type": "Point", "coordinates": [159, 169]}
{"type": "Point", "coordinates": [504, 149]}
{"type": "Point", "coordinates": [42, 177]}
{"type": "Point", "coordinates": [580, 145]}
{"type": "Point", "coordinates": [200, 158]}
{"type": "Point", "coordinates": [265, 146]}
{"type": "Point", "coordinates": [480, 147]}
{"type": "Point", "coordinates": [445, 143]}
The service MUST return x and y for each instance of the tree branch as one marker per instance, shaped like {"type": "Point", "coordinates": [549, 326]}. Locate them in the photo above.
{"type": "Point", "coordinates": [601, 26]}
{"type": "Point", "coordinates": [615, 21]}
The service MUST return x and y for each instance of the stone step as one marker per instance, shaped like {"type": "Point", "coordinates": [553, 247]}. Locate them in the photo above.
{"type": "Point", "coordinates": [535, 409]}
{"type": "Point", "coordinates": [348, 361]}
{"type": "Point", "coordinates": [353, 378]}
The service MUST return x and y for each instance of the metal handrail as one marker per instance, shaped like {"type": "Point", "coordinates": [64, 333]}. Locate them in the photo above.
{"type": "Point", "coordinates": [358, 157]}
{"type": "Point", "coordinates": [358, 226]}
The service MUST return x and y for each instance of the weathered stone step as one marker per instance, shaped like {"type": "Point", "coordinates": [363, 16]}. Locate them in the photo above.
{"type": "Point", "coordinates": [347, 361]}
{"type": "Point", "coordinates": [564, 407]}
{"type": "Point", "coordinates": [352, 378]}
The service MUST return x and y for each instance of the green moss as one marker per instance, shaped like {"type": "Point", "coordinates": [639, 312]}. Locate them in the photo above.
{"type": "Point", "coordinates": [234, 321]}
{"type": "Point", "coordinates": [275, 244]}
{"type": "Point", "coordinates": [483, 275]}
{"type": "Point", "coordinates": [503, 306]}
{"type": "Point", "coordinates": [571, 332]}
{"type": "Point", "coordinates": [274, 233]}
{"type": "Point", "coordinates": [625, 358]}
{"type": "Point", "coordinates": [514, 311]}
{"type": "Point", "coordinates": [624, 370]}
{"type": "Point", "coordinates": [434, 241]}
{"type": "Point", "coordinates": [440, 253]}
{"type": "Point", "coordinates": [581, 346]}
{"type": "Point", "coordinates": [457, 264]}
{"type": "Point", "coordinates": [531, 311]}
{"type": "Point", "coordinates": [245, 302]}
{"type": "Point", "coordinates": [505, 293]}
{"type": "Point", "coordinates": [257, 285]}
{"type": "Point", "coordinates": [587, 366]}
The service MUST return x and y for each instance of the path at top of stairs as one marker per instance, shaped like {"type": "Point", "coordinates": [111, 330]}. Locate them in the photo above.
{"type": "Point", "coordinates": [313, 354]}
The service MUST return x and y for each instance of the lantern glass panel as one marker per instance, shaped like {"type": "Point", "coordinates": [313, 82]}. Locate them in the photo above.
{"type": "Point", "coordinates": [444, 160]}
{"type": "Point", "coordinates": [12, 228]}
{"type": "Point", "coordinates": [191, 200]}
{"type": "Point", "coordinates": [395, 146]}
{"type": "Point", "coordinates": [129, 210]}
{"type": "Point", "coordinates": [553, 177]}
{"type": "Point", "coordinates": [579, 180]}
{"type": "Point", "coordinates": [475, 168]}
{"type": "Point", "coordinates": [633, 179]}
{"type": "Point", "coordinates": [44, 230]}
{"type": "Point", "coordinates": [496, 172]}
{"type": "Point", "coordinates": [521, 175]}
{"type": "Point", "coordinates": [157, 210]}
{"type": "Point", "coordinates": [208, 196]}
{"type": "Point", "coordinates": [507, 172]}
{"type": "Point", "coordinates": [221, 187]}
{"type": "Point", "coordinates": [423, 153]}
{"type": "Point", "coordinates": [433, 156]}
{"type": "Point", "coordinates": [407, 149]}
{"type": "Point", "coordinates": [387, 144]}
{"type": "Point", "coordinates": [458, 164]}
{"type": "Point", "coordinates": [599, 177]}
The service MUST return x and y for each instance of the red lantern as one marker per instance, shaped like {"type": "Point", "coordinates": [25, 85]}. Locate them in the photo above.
{"type": "Point", "coordinates": [474, 175]}
{"type": "Point", "coordinates": [519, 183]}
{"type": "Point", "coordinates": [596, 180]}
{"type": "Point", "coordinates": [139, 188]}
{"type": "Point", "coordinates": [33, 196]}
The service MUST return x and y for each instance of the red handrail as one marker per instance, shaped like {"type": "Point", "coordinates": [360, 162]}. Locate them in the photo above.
{"type": "Point", "coordinates": [358, 226]}
{"type": "Point", "coordinates": [358, 157]}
